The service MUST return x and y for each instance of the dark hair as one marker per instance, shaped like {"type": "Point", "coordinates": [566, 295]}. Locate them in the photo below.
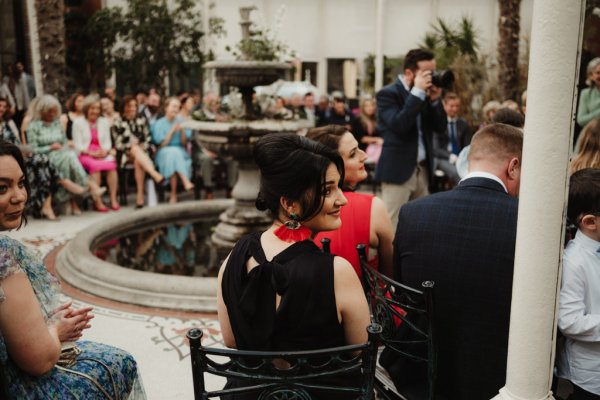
{"type": "Point", "coordinates": [126, 100]}
{"type": "Point", "coordinates": [329, 135]}
{"type": "Point", "coordinates": [584, 193]}
{"type": "Point", "coordinates": [71, 101]}
{"type": "Point", "coordinates": [293, 167]}
{"type": "Point", "coordinates": [413, 57]}
{"type": "Point", "coordinates": [509, 117]}
{"type": "Point", "coordinates": [9, 149]}
{"type": "Point", "coordinates": [451, 96]}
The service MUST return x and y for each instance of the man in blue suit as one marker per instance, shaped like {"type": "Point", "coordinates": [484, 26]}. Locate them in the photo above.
{"type": "Point", "coordinates": [408, 112]}
{"type": "Point", "coordinates": [464, 241]}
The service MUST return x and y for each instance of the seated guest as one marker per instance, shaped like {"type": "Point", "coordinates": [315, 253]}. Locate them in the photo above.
{"type": "Point", "coordinates": [34, 325]}
{"type": "Point", "coordinates": [277, 290]}
{"type": "Point", "coordinates": [365, 219]}
{"type": "Point", "coordinates": [131, 138]}
{"type": "Point", "coordinates": [364, 128]}
{"type": "Point", "coordinates": [501, 116]}
{"type": "Point", "coordinates": [108, 110]}
{"type": "Point", "coordinates": [587, 150]}
{"type": "Point", "coordinates": [91, 136]}
{"type": "Point", "coordinates": [339, 113]}
{"type": "Point", "coordinates": [46, 136]}
{"type": "Point", "coordinates": [172, 158]}
{"type": "Point", "coordinates": [308, 110]}
{"type": "Point", "coordinates": [464, 241]}
{"type": "Point", "coordinates": [578, 358]}
{"type": "Point", "coordinates": [448, 144]}
{"type": "Point", "coordinates": [74, 110]}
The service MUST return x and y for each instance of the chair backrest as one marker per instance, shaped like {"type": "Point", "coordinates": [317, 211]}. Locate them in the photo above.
{"type": "Point", "coordinates": [406, 315]}
{"type": "Point", "coordinates": [288, 375]}
{"type": "Point", "coordinates": [326, 245]}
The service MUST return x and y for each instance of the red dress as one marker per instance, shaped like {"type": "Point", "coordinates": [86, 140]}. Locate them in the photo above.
{"type": "Point", "coordinates": [355, 229]}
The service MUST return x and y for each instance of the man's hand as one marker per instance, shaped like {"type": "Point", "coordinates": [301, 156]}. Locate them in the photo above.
{"type": "Point", "coordinates": [434, 92]}
{"type": "Point", "coordinates": [55, 146]}
{"type": "Point", "coordinates": [422, 79]}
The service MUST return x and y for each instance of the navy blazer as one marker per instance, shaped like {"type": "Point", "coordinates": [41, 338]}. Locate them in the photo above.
{"type": "Point", "coordinates": [397, 111]}
{"type": "Point", "coordinates": [441, 139]}
{"type": "Point", "coordinates": [464, 241]}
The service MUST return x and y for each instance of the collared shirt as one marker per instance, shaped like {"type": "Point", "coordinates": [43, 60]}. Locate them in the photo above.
{"type": "Point", "coordinates": [482, 174]}
{"type": "Point", "coordinates": [420, 93]}
{"type": "Point", "coordinates": [579, 314]}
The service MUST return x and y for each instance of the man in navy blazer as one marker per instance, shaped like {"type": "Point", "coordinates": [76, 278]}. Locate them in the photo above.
{"type": "Point", "coordinates": [464, 241]}
{"type": "Point", "coordinates": [408, 112]}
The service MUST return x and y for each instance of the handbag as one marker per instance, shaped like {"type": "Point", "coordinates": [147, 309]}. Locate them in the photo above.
{"type": "Point", "coordinates": [69, 356]}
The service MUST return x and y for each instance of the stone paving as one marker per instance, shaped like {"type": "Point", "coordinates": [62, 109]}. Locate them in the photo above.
{"type": "Point", "coordinates": [156, 338]}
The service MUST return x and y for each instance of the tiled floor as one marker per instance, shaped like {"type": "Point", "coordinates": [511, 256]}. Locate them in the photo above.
{"type": "Point", "coordinates": [156, 338]}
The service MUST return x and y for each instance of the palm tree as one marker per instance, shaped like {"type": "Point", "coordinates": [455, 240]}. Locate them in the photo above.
{"type": "Point", "coordinates": [508, 48]}
{"type": "Point", "coordinates": [51, 28]}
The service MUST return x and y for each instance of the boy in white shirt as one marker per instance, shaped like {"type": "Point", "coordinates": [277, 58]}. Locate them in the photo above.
{"type": "Point", "coordinates": [579, 310]}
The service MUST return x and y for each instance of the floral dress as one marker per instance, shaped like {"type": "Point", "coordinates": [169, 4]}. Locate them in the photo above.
{"type": "Point", "coordinates": [43, 177]}
{"type": "Point", "coordinates": [41, 136]}
{"type": "Point", "coordinates": [125, 132]}
{"type": "Point", "coordinates": [101, 362]}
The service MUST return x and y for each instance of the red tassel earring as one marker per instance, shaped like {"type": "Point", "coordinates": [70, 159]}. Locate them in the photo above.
{"type": "Point", "coordinates": [292, 230]}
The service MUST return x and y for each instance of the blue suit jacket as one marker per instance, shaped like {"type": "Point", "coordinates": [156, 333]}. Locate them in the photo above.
{"type": "Point", "coordinates": [464, 240]}
{"type": "Point", "coordinates": [397, 111]}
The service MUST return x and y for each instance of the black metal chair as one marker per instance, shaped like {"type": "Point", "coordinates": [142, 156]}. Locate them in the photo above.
{"type": "Point", "coordinates": [406, 315]}
{"type": "Point", "coordinates": [287, 375]}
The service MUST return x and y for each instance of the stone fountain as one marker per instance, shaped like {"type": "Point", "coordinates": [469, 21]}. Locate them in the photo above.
{"type": "Point", "coordinates": [237, 138]}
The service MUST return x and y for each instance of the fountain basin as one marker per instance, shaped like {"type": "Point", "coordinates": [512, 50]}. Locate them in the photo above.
{"type": "Point", "coordinates": [77, 265]}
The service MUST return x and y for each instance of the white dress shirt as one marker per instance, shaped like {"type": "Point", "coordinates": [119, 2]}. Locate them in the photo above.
{"type": "Point", "coordinates": [579, 314]}
{"type": "Point", "coordinates": [482, 174]}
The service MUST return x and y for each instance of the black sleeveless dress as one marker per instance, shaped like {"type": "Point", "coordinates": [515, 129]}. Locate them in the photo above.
{"type": "Point", "coordinates": [306, 318]}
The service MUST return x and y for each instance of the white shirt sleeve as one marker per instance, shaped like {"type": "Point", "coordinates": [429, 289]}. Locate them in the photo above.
{"type": "Point", "coordinates": [574, 320]}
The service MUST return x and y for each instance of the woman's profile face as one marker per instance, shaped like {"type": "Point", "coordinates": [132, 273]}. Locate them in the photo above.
{"type": "Point", "coordinates": [13, 194]}
{"type": "Point", "coordinates": [328, 218]}
{"type": "Point", "coordinates": [595, 76]}
{"type": "Point", "coordinates": [78, 103]}
{"type": "Point", "coordinates": [354, 160]}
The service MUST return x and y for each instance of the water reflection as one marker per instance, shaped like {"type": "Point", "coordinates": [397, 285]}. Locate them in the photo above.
{"type": "Point", "coordinates": [181, 248]}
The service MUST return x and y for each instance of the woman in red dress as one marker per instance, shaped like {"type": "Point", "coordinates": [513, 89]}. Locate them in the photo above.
{"type": "Point", "coordinates": [365, 219]}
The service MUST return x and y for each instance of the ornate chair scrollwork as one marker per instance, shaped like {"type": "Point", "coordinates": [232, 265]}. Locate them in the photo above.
{"type": "Point", "coordinates": [287, 375]}
{"type": "Point", "coordinates": [407, 317]}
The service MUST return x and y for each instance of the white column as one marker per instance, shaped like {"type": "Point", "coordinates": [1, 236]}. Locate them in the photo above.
{"type": "Point", "coordinates": [322, 60]}
{"type": "Point", "coordinates": [379, 45]}
{"type": "Point", "coordinates": [553, 69]}
{"type": "Point", "coordinates": [34, 45]}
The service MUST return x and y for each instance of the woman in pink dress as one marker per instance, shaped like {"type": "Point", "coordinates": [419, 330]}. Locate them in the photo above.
{"type": "Point", "coordinates": [91, 136]}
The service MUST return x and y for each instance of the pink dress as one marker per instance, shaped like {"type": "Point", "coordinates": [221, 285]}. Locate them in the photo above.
{"type": "Point", "coordinates": [92, 164]}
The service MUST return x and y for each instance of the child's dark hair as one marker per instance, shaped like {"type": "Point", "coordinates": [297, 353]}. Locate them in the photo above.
{"type": "Point", "coordinates": [584, 194]}
{"type": "Point", "coordinates": [293, 167]}
{"type": "Point", "coordinates": [9, 149]}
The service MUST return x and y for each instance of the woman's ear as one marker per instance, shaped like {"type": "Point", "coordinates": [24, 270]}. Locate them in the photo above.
{"type": "Point", "coordinates": [288, 206]}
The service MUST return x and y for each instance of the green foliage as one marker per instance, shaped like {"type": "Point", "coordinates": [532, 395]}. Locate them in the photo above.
{"type": "Point", "coordinates": [149, 39]}
{"type": "Point", "coordinates": [392, 66]}
{"type": "Point", "coordinates": [448, 42]}
{"type": "Point", "coordinates": [260, 46]}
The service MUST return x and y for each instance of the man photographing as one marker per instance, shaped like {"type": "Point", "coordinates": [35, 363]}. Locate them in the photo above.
{"type": "Point", "coordinates": [408, 112]}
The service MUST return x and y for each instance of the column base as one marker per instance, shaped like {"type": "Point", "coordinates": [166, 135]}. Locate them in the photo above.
{"type": "Point", "coordinates": [505, 394]}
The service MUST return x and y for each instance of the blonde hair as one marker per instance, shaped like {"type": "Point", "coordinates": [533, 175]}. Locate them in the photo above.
{"type": "Point", "coordinates": [590, 69]}
{"type": "Point", "coordinates": [588, 154]}
{"type": "Point", "coordinates": [45, 102]}
{"type": "Point", "coordinates": [88, 102]}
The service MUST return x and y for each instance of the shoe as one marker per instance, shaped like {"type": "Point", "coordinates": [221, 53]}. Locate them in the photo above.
{"type": "Point", "coordinates": [115, 208]}
{"type": "Point", "coordinates": [102, 209]}
{"type": "Point", "coordinates": [43, 215]}
{"type": "Point", "coordinates": [98, 193]}
{"type": "Point", "coordinates": [139, 206]}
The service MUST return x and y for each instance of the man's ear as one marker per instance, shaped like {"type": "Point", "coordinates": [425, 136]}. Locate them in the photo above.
{"type": "Point", "coordinates": [514, 168]}
{"type": "Point", "coordinates": [588, 221]}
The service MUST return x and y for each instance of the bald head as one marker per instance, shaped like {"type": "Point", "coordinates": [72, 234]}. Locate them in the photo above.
{"type": "Point", "coordinates": [497, 149]}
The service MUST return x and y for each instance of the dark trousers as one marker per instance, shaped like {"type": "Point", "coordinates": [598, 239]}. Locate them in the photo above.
{"type": "Point", "coordinates": [582, 394]}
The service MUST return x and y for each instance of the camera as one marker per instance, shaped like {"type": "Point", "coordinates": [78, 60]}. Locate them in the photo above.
{"type": "Point", "coordinates": [443, 78]}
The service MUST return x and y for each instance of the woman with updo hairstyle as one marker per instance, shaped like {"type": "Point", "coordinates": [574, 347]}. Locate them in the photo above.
{"type": "Point", "coordinates": [277, 290]}
{"type": "Point", "coordinates": [365, 220]}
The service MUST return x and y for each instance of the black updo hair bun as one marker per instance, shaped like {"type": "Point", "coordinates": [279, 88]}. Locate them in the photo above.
{"type": "Point", "coordinates": [260, 202]}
